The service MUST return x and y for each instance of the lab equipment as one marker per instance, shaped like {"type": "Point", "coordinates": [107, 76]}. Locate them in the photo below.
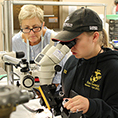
{"type": "Point", "coordinates": [54, 101]}
{"type": "Point", "coordinates": [49, 59]}
{"type": "Point", "coordinates": [10, 96]}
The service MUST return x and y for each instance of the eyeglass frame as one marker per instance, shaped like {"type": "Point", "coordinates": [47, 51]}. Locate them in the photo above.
{"type": "Point", "coordinates": [32, 29]}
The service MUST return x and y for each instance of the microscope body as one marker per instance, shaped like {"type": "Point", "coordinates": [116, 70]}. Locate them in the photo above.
{"type": "Point", "coordinates": [48, 60]}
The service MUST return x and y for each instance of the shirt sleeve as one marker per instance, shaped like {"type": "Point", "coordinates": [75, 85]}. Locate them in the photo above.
{"type": "Point", "coordinates": [100, 109]}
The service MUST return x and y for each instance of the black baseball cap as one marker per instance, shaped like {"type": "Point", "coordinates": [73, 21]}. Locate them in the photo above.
{"type": "Point", "coordinates": [81, 20]}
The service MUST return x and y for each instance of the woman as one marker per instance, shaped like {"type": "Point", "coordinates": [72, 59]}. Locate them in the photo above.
{"type": "Point", "coordinates": [31, 19]}
{"type": "Point", "coordinates": [33, 31]}
{"type": "Point", "coordinates": [89, 77]}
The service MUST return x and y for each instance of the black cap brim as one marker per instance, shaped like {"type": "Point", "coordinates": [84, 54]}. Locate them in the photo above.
{"type": "Point", "coordinates": [66, 36]}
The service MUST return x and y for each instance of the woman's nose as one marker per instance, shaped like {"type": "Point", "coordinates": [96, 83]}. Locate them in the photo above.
{"type": "Point", "coordinates": [31, 32]}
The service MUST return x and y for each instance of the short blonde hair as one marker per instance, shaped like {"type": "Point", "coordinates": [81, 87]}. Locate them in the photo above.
{"type": "Point", "coordinates": [30, 11]}
{"type": "Point", "coordinates": [103, 38]}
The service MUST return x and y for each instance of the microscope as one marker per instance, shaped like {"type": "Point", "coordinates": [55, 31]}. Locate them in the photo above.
{"type": "Point", "coordinates": [49, 59]}
{"type": "Point", "coordinates": [10, 95]}
{"type": "Point", "coordinates": [26, 77]}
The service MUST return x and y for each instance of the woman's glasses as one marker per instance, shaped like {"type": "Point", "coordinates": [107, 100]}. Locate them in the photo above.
{"type": "Point", "coordinates": [34, 29]}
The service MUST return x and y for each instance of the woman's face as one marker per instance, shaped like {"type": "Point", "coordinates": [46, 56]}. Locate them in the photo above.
{"type": "Point", "coordinates": [86, 46]}
{"type": "Point", "coordinates": [33, 37]}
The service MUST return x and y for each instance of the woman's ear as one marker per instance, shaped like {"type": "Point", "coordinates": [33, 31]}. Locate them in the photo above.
{"type": "Point", "coordinates": [95, 36]}
{"type": "Point", "coordinates": [43, 24]}
{"type": "Point", "coordinates": [43, 29]}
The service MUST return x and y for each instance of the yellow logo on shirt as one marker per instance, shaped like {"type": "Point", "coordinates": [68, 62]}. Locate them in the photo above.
{"type": "Point", "coordinates": [93, 79]}
{"type": "Point", "coordinates": [65, 71]}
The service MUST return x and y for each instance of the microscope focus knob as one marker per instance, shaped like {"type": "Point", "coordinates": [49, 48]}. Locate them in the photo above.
{"type": "Point", "coordinates": [28, 81]}
{"type": "Point", "coordinates": [57, 68]}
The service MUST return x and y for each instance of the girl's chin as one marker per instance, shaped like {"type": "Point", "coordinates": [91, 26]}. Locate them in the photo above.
{"type": "Point", "coordinates": [77, 56]}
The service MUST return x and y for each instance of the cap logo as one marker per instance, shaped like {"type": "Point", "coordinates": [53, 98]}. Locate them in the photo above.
{"type": "Point", "coordinates": [68, 24]}
{"type": "Point", "coordinates": [93, 27]}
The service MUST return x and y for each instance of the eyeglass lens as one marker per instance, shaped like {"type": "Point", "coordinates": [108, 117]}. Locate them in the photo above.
{"type": "Point", "coordinates": [34, 29]}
